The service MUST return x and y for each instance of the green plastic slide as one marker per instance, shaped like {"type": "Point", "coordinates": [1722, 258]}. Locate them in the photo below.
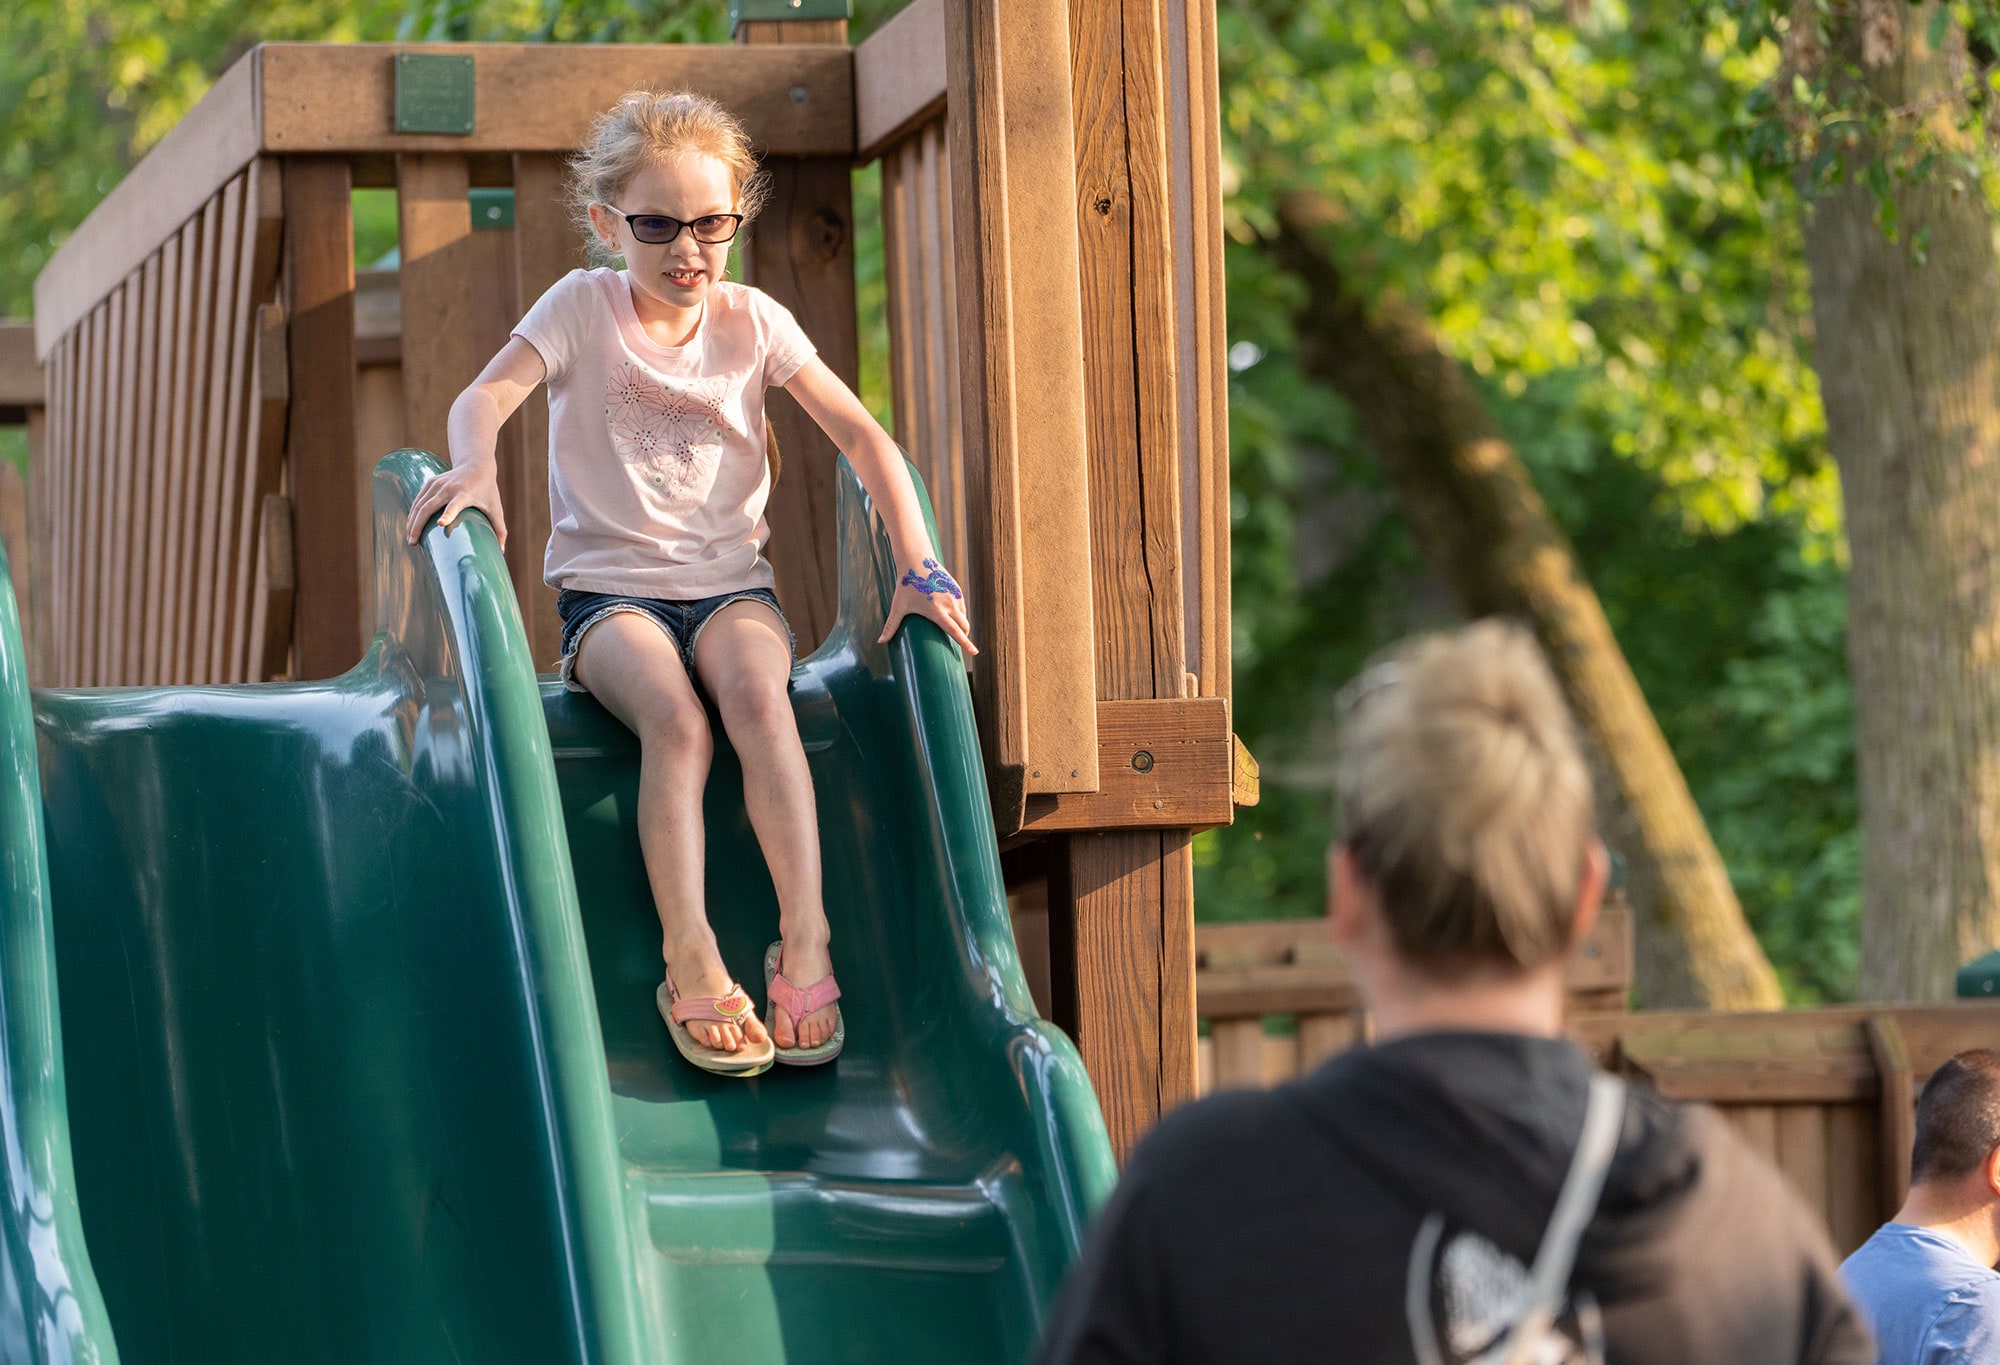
{"type": "Point", "coordinates": [357, 1033]}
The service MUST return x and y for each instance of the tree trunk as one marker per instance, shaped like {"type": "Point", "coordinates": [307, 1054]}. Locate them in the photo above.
{"type": "Point", "coordinates": [1909, 363]}
{"type": "Point", "coordinates": [1476, 516]}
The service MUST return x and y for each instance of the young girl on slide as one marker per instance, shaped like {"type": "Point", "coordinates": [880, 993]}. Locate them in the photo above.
{"type": "Point", "coordinates": [657, 485]}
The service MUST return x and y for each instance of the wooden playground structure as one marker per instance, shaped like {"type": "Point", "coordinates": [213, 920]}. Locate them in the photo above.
{"type": "Point", "coordinates": [220, 381]}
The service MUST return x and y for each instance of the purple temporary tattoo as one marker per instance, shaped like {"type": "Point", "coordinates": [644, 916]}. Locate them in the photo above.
{"type": "Point", "coordinates": [936, 581]}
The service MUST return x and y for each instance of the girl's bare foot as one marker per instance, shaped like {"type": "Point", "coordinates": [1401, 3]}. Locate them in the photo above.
{"type": "Point", "coordinates": [697, 970]}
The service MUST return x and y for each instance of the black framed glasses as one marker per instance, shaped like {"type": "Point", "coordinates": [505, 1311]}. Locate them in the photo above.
{"type": "Point", "coordinates": [657, 229]}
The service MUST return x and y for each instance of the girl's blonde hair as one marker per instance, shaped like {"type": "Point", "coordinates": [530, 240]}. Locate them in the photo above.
{"type": "Point", "coordinates": [1465, 799]}
{"type": "Point", "coordinates": [644, 129]}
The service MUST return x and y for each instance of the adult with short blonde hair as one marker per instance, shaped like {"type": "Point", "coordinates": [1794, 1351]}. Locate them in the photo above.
{"type": "Point", "coordinates": [1466, 1189]}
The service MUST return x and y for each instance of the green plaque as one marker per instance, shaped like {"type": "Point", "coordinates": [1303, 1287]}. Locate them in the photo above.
{"type": "Point", "coordinates": [744, 11]}
{"type": "Point", "coordinates": [433, 93]}
{"type": "Point", "coordinates": [1979, 979]}
{"type": "Point", "coordinates": [492, 208]}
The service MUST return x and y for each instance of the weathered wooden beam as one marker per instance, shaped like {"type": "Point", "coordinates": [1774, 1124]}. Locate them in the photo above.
{"type": "Point", "coordinates": [899, 78]}
{"type": "Point", "coordinates": [320, 445]}
{"type": "Point", "coordinates": [1021, 375]}
{"type": "Point", "coordinates": [800, 251]}
{"type": "Point", "coordinates": [338, 99]}
{"type": "Point", "coordinates": [1294, 967]}
{"type": "Point", "coordinates": [541, 97]}
{"type": "Point", "coordinates": [1897, 1091]}
{"type": "Point", "coordinates": [1162, 764]}
{"type": "Point", "coordinates": [1121, 966]}
{"type": "Point", "coordinates": [438, 283]}
{"type": "Point", "coordinates": [547, 246]}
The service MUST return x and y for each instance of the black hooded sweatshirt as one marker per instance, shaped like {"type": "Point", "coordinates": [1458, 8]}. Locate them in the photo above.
{"type": "Point", "coordinates": [1266, 1227]}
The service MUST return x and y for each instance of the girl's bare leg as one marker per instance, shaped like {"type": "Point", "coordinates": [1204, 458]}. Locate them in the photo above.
{"type": "Point", "coordinates": [631, 666]}
{"type": "Point", "coordinates": [745, 661]}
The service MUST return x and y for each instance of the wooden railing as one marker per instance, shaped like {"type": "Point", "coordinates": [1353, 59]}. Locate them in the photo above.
{"type": "Point", "coordinates": [212, 413]}
{"type": "Point", "coordinates": [1827, 1095]}
{"type": "Point", "coordinates": [1292, 971]}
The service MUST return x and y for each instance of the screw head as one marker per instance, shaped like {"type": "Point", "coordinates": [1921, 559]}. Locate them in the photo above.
{"type": "Point", "coordinates": [798, 92]}
{"type": "Point", "coordinates": [1142, 762]}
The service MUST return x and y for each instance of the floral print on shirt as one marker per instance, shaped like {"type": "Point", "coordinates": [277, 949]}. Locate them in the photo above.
{"type": "Point", "coordinates": [669, 430]}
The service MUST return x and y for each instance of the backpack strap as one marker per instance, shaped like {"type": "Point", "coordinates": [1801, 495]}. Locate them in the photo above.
{"type": "Point", "coordinates": [1603, 1117]}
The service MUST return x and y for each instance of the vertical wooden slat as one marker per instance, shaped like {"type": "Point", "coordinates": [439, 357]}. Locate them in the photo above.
{"type": "Point", "coordinates": [378, 429]}
{"type": "Point", "coordinates": [1322, 1035]}
{"type": "Point", "coordinates": [1758, 1126]}
{"type": "Point", "coordinates": [546, 248]}
{"type": "Point", "coordinates": [201, 429]}
{"type": "Point", "coordinates": [93, 542]}
{"type": "Point", "coordinates": [14, 520]}
{"type": "Point", "coordinates": [1853, 1198]}
{"type": "Point", "coordinates": [916, 229]}
{"type": "Point", "coordinates": [266, 609]}
{"type": "Point", "coordinates": [169, 336]}
{"type": "Point", "coordinates": [251, 471]}
{"type": "Point", "coordinates": [144, 532]}
{"type": "Point", "coordinates": [1239, 1053]}
{"type": "Point", "coordinates": [116, 596]}
{"type": "Point", "coordinates": [943, 427]}
{"type": "Point", "coordinates": [63, 607]}
{"type": "Point", "coordinates": [224, 438]}
{"type": "Point", "coordinates": [1022, 396]}
{"type": "Point", "coordinates": [1131, 365]}
{"type": "Point", "coordinates": [49, 480]}
{"type": "Point", "coordinates": [320, 439]}
{"type": "Point", "coordinates": [441, 353]}
{"type": "Point", "coordinates": [1897, 1115]}
{"type": "Point", "coordinates": [800, 251]}
{"type": "Point", "coordinates": [1802, 1156]}
{"type": "Point", "coordinates": [31, 576]}
{"type": "Point", "coordinates": [1121, 947]}
{"type": "Point", "coordinates": [1210, 343]}
{"type": "Point", "coordinates": [276, 580]}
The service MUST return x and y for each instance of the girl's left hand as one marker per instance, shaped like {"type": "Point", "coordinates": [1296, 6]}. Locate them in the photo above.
{"type": "Point", "coordinates": [931, 593]}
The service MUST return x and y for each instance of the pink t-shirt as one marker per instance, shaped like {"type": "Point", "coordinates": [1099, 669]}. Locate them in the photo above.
{"type": "Point", "coordinates": [657, 476]}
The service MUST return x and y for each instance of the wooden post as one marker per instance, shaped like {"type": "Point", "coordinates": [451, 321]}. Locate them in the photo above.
{"type": "Point", "coordinates": [1128, 915]}
{"type": "Point", "coordinates": [1898, 1116]}
{"type": "Point", "coordinates": [546, 247]}
{"type": "Point", "coordinates": [1029, 533]}
{"type": "Point", "coordinates": [320, 442]}
{"type": "Point", "coordinates": [437, 277]}
{"type": "Point", "coordinates": [800, 251]}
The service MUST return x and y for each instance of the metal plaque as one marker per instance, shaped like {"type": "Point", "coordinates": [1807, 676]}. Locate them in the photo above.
{"type": "Point", "coordinates": [492, 208]}
{"type": "Point", "coordinates": [745, 11]}
{"type": "Point", "coordinates": [433, 93]}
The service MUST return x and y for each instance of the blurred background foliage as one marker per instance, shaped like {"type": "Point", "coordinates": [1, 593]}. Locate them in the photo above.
{"type": "Point", "coordinates": [1564, 187]}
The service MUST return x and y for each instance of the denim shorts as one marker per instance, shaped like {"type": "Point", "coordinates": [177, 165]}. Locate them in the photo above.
{"type": "Point", "coordinates": [682, 621]}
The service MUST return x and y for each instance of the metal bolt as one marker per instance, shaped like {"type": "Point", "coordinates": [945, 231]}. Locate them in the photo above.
{"type": "Point", "coordinates": [1038, 772]}
{"type": "Point", "coordinates": [1073, 772]}
{"type": "Point", "coordinates": [799, 93]}
{"type": "Point", "coordinates": [1142, 762]}
{"type": "Point", "coordinates": [1159, 805]}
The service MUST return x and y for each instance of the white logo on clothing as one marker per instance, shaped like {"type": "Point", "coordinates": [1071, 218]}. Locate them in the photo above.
{"type": "Point", "coordinates": [671, 430]}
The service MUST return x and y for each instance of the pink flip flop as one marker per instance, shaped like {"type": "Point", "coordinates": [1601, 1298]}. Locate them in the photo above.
{"type": "Point", "coordinates": [799, 1003]}
{"type": "Point", "coordinates": [733, 1007]}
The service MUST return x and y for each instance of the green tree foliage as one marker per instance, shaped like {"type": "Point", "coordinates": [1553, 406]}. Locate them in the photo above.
{"type": "Point", "coordinates": [1564, 196]}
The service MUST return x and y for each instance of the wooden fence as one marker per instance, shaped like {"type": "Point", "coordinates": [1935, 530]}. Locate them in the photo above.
{"type": "Point", "coordinates": [1828, 1095]}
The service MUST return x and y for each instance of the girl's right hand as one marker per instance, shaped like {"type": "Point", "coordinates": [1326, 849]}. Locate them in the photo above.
{"type": "Point", "coordinates": [455, 490]}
